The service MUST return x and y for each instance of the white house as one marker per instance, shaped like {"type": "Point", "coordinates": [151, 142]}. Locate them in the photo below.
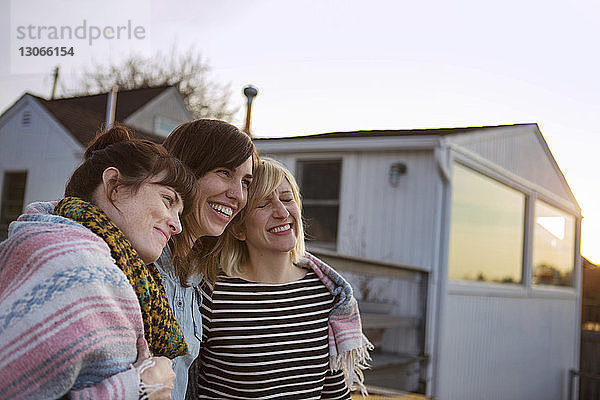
{"type": "Point", "coordinates": [486, 217]}
{"type": "Point", "coordinates": [42, 141]}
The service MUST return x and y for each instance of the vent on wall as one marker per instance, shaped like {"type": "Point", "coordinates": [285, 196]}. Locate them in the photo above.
{"type": "Point", "coordinates": [26, 119]}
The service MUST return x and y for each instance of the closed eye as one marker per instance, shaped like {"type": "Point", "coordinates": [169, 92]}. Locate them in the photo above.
{"type": "Point", "coordinates": [169, 199]}
{"type": "Point", "coordinates": [264, 203]}
{"type": "Point", "coordinates": [225, 172]}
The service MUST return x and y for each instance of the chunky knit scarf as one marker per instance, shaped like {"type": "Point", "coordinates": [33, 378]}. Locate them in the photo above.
{"type": "Point", "coordinates": [161, 330]}
{"type": "Point", "coordinates": [348, 346]}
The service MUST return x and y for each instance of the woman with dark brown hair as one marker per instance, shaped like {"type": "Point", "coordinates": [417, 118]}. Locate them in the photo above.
{"type": "Point", "coordinates": [222, 158]}
{"type": "Point", "coordinates": [79, 299]}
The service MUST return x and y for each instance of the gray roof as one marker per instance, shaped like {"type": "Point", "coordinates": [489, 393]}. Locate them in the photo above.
{"type": "Point", "coordinates": [396, 132]}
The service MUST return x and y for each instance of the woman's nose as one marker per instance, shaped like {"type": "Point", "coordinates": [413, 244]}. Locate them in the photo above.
{"type": "Point", "coordinates": [236, 191]}
{"type": "Point", "coordinates": [175, 224]}
{"type": "Point", "coordinates": [280, 210]}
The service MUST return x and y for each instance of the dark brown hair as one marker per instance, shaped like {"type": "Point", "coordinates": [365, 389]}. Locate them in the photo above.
{"type": "Point", "coordinates": [137, 161]}
{"type": "Point", "coordinates": [203, 145]}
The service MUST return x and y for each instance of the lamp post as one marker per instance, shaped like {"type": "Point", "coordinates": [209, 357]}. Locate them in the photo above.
{"type": "Point", "coordinates": [250, 92]}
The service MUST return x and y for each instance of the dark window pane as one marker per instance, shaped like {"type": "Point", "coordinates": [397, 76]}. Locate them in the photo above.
{"type": "Point", "coordinates": [320, 186]}
{"type": "Point", "coordinates": [321, 223]}
{"type": "Point", "coordinates": [13, 196]}
{"type": "Point", "coordinates": [320, 179]}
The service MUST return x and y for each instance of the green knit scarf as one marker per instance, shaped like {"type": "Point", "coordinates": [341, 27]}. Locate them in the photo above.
{"type": "Point", "coordinates": [162, 332]}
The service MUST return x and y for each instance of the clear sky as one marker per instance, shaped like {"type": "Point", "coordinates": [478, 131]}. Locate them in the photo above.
{"type": "Point", "coordinates": [324, 66]}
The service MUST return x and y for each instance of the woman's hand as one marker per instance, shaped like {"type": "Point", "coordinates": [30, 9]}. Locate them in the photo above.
{"type": "Point", "coordinates": [156, 374]}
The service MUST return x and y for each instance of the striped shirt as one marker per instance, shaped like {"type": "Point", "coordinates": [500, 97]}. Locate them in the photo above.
{"type": "Point", "coordinates": [267, 341]}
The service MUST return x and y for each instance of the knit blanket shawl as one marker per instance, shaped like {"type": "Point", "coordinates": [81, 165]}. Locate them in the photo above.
{"type": "Point", "coordinates": [161, 330]}
{"type": "Point", "coordinates": [348, 346]}
{"type": "Point", "coordinates": [70, 322]}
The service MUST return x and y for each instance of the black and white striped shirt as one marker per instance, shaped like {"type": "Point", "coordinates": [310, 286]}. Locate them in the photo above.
{"type": "Point", "coordinates": [267, 341]}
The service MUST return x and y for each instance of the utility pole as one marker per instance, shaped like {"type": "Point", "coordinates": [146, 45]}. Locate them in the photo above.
{"type": "Point", "coordinates": [54, 83]}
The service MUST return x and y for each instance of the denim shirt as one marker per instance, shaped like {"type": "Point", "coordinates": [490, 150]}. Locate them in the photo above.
{"type": "Point", "coordinates": [185, 304]}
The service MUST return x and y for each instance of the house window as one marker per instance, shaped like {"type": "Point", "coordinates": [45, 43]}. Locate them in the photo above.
{"type": "Point", "coordinates": [13, 196]}
{"type": "Point", "coordinates": [486, 229]}
{"type": "Point", "coordinates": [553, 256]}
{"type": "Point", "coordinates": [320, 185]}
{"type": "Point", "coordinates": [163, 125]}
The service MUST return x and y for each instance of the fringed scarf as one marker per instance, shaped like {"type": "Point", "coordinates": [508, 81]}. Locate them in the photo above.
{"type": "Point", "coordinates": [161, 330]}
{"type": "Point", "coordinates": [348, 346]}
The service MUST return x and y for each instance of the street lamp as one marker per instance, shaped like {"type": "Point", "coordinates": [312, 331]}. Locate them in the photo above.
{"type": "Point", "coordinates": [250, 92]}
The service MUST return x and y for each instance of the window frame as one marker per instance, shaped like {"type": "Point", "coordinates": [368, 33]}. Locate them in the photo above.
{"type": "Point", "coordinates": [573, 234]}
{"type": "Point", "coordinates": [298, 172]}
{"type": "Point", "coordinates": [532, 193]}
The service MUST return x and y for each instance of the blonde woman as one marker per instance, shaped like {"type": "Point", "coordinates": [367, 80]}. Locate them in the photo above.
{"type": "Point", "coordinates": [278, 322]}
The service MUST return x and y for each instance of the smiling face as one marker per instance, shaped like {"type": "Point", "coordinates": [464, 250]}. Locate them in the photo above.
{"type": "Point", "coordinates": [147, 217]}
{"type": "Point", "coordinates": [223, 193]}
{"type": "Point", "coordinates": [272, 226]}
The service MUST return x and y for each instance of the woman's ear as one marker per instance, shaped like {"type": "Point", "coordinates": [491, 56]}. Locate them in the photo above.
{"type": "Point", "coordinates": [238, 233]}
{"type": "Point", "coordinates": [110, 182]}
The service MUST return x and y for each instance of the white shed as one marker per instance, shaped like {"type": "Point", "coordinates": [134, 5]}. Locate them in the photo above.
{"type": "Point", "coordinates": [487, 215]}
{"type": "Point", "coordinates": [42, 141]}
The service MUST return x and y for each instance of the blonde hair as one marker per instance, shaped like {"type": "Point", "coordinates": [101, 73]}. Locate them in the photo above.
{"type": "Point", "coordinates": [268, 175]}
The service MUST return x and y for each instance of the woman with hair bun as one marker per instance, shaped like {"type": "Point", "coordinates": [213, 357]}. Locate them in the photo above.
{"type": "Point", "coordinates": [82, 310]}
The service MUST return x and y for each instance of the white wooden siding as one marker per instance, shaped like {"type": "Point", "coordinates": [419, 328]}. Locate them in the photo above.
{"type": "Point", "coordinates": [378, 221]}
{"type": "Point", "coordinates": [504, 348]}
{"type": "Point", "coordinates": [287, 160]}
{"type": "Point", "coordinates": [381, 222]}
{"type": "Point", "coordinates": [43, 149]}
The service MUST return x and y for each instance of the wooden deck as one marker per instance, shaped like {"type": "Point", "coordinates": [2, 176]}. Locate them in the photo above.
{"type": "Point", "coordinates": [376, 393]}
{"type": "Point", "coordinates": [407, 396]}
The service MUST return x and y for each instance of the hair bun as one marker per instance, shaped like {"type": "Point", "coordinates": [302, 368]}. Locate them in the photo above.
{"type": "Point", "coordinates": [117, 133]}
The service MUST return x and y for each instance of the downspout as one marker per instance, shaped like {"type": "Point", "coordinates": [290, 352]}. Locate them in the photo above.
{"type": "Point", "coordinates": [578, 284]}
{"type": "Point", "coordinates": [438, 286]}
{"type": "Point", "coordinates": [441, 157]}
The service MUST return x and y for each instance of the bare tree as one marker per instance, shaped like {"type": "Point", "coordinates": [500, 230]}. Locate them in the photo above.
{"type": "Point", "coordinates": [204, 97]}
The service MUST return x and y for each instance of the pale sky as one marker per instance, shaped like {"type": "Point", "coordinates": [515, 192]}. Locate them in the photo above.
{"type": "Point", "coordinates": [324, 66]}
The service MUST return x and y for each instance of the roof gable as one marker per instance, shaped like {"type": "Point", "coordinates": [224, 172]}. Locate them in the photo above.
{"type": "Point", "coordinates": [29, 103]}
{"type": "Point", "coordinates": [84, 115]}
{"type": "Point", "coordinates": [521, 150]}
